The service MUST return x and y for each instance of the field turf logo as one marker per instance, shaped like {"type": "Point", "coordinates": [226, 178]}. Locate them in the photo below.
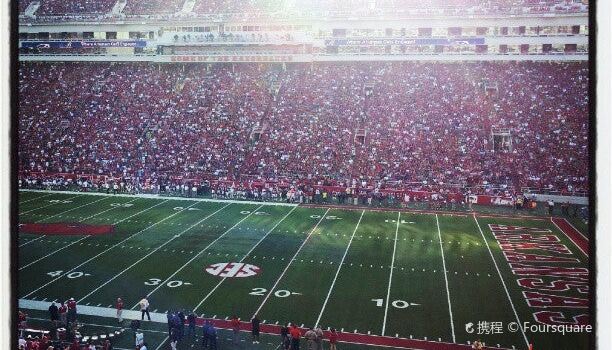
{"type": "Point", "coordinates": [231, 270]}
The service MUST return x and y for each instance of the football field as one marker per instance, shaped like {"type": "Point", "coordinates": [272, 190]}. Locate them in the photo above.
{"type": "Point", "coordinates": [397, 278]}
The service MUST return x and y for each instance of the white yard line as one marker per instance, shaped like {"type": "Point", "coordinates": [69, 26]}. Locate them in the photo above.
{"type": "Point", "coordinates": [77, 241]}
{"type": "Point", "coordinates": [450, 309]}
{"type": "Point", "coordinates": [53, 252]}
{"type": "Point", "coordinates": [36, 198]}
{"type": "Point", "coordinates": [289, 264]}
{"type": "Point", "coordinates": [202, 251]}
{"type": "Point", "coordinates": [244, 257]}
{"type": "Point", "coordinates": [150, 253]}
{"type": "Point", "coordinates": [568, 237]}
{"type": "Point", "coordinates": [48, 205]}
{"type": "Point", "coordinates": [155, 196]}
{"type": "Point", "coordinates": [68, 210]}
{"type": "Point", "coordinates": [338, 271]}
{"type": "Point", "coordinates": [162, 343]}
{"type": "Point", "coordinates": [106, 250]}
{"type": "Point", "coordinates": [32, 240]}
{"type": "Point", "coordinates": [503, 282]}
{"type": "Point", "coordinates": [384, 326]}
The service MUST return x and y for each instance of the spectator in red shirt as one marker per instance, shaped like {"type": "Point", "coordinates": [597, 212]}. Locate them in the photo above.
{"type": "Point", "coordinates": [72, 310]}
{"type": "Point", "coordinates": [74, 345]}
{"type": "Point", "coordinates": [119, 307]}
{"type": "Point", "coordinates": [22, 319]}
{"type": "Point", "coordinates": [63, 309]}
{"type": "Point", "coordinates": [296, 334]}
{"type": "Point", "coordinates": [333, 339]}
{"type": "Point", "coordinates": [44, 343]}
{"type": "Point", "coordinates": [235, 329]}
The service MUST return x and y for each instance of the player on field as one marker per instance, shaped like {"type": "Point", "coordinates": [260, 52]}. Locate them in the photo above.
{"type": "Point", "coordinates": [144, 308]}
{"type": "Point", "coordinates": [333, 339]}
{"type": "Point", "coordinates": [235, 329]}
{"type": "Point", "coordinates": [285, 341]}
{"type": "Point", "coordinates": [72, 310]}
{"type": "Point", "coordinates": [209, 338]}
{"type": "Point", "coordinates": [54, 313]}
{"type": "Point", "coordinates": [191, 319]}
{"type": "Point", "coordinates": [63, 310]}
{"type": "Point", "coordinates": [180, 324]}
{"type": "Point", "coordinates": [311, 338]}
{"type": "Point", "coordinates": [295, 333]}
{"type": "Point", "coordinates": [319, 340]}
{"type": "Point", "coordinates": [255, 329]}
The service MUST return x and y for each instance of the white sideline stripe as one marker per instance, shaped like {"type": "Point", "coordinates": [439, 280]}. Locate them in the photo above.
{"type": "Point", "coordinates": [244, 257]}
{"type": "Point", "coordinates": [450, 309]}
{"type": "Point", "coordinates": [151, 252]}
{"type": "Point", "coordinates": [288, 265]}
{"type": "Point", "coordinates": [502, 281]}
{"type": "Point", "coordinates": [106, 250]}
{"type": "Point", "coordinates": [574, 227]}
{"type": "Point", "coordinates": [568, 237]}
{"type": "Point", "coordinates": [94, 311]}
{"type": "Point", "coordinates": [391, 274]}
{"type": "Point", "coordinates": [36, 198]}
{"type": "Point", "coordinates": [77, 241]}
{"type": "Point", "coordinates": [52, 216]}
{"type": "Point", "coordinates": [155, 196]}
{"type": "Point", "coordinates": [48, 205]}
{"type": "Point", "coordinates": [338, 271]}
{"type": "Point", "coordinates": [208, 246]}
{"type": "Point", "coordinates": [96, 324]}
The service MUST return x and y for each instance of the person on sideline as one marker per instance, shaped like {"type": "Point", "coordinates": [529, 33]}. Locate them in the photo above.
{"type": "Point", "coordinates": [144, 308]}
{"type": "Point", "coordinates": [119, 306]}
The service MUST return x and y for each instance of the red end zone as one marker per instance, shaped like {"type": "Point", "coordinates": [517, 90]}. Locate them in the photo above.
{"type": "Point", "coordinates": [574, 235]}
{"type": "Point", "coordinates": [66, 228]}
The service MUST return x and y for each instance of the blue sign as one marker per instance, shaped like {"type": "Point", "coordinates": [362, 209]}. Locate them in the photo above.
{"type": "Point", "coordinates": [77, 44]}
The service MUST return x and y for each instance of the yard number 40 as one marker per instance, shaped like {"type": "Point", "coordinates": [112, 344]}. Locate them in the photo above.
{"type": "Point", "coordinates": [73, 274]}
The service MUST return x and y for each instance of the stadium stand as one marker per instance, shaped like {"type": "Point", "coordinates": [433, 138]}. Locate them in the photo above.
{"type": "Point", "coordinates": [140, 7]}
{"type": "Point", "coordinates": [423, 123]}
{"type": "Point", "coordinates": [62, 7]}
{"type": "Point", "coordinates": [315, 8]}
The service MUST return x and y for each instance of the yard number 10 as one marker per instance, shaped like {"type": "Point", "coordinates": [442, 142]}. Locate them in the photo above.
{"type": "Point", "coordinates": [399, 304]}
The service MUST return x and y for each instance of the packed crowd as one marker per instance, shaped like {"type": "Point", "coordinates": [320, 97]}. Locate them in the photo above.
{"type": "Point", "coordinates": [153, 6]}
{"type": "Point", "coordinates": [428, 124]}
{"type": "Point", "coordinates": [262, 7]}
{"type": "Point", "coordinates": [61, 7]}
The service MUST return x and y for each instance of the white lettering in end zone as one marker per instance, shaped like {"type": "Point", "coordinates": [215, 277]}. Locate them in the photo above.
{"type": "Point", "coordinates": [233, 270]}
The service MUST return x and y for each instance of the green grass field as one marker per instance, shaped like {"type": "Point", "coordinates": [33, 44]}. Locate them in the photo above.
{"type": "Point", "coordinates": [385, 273]}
